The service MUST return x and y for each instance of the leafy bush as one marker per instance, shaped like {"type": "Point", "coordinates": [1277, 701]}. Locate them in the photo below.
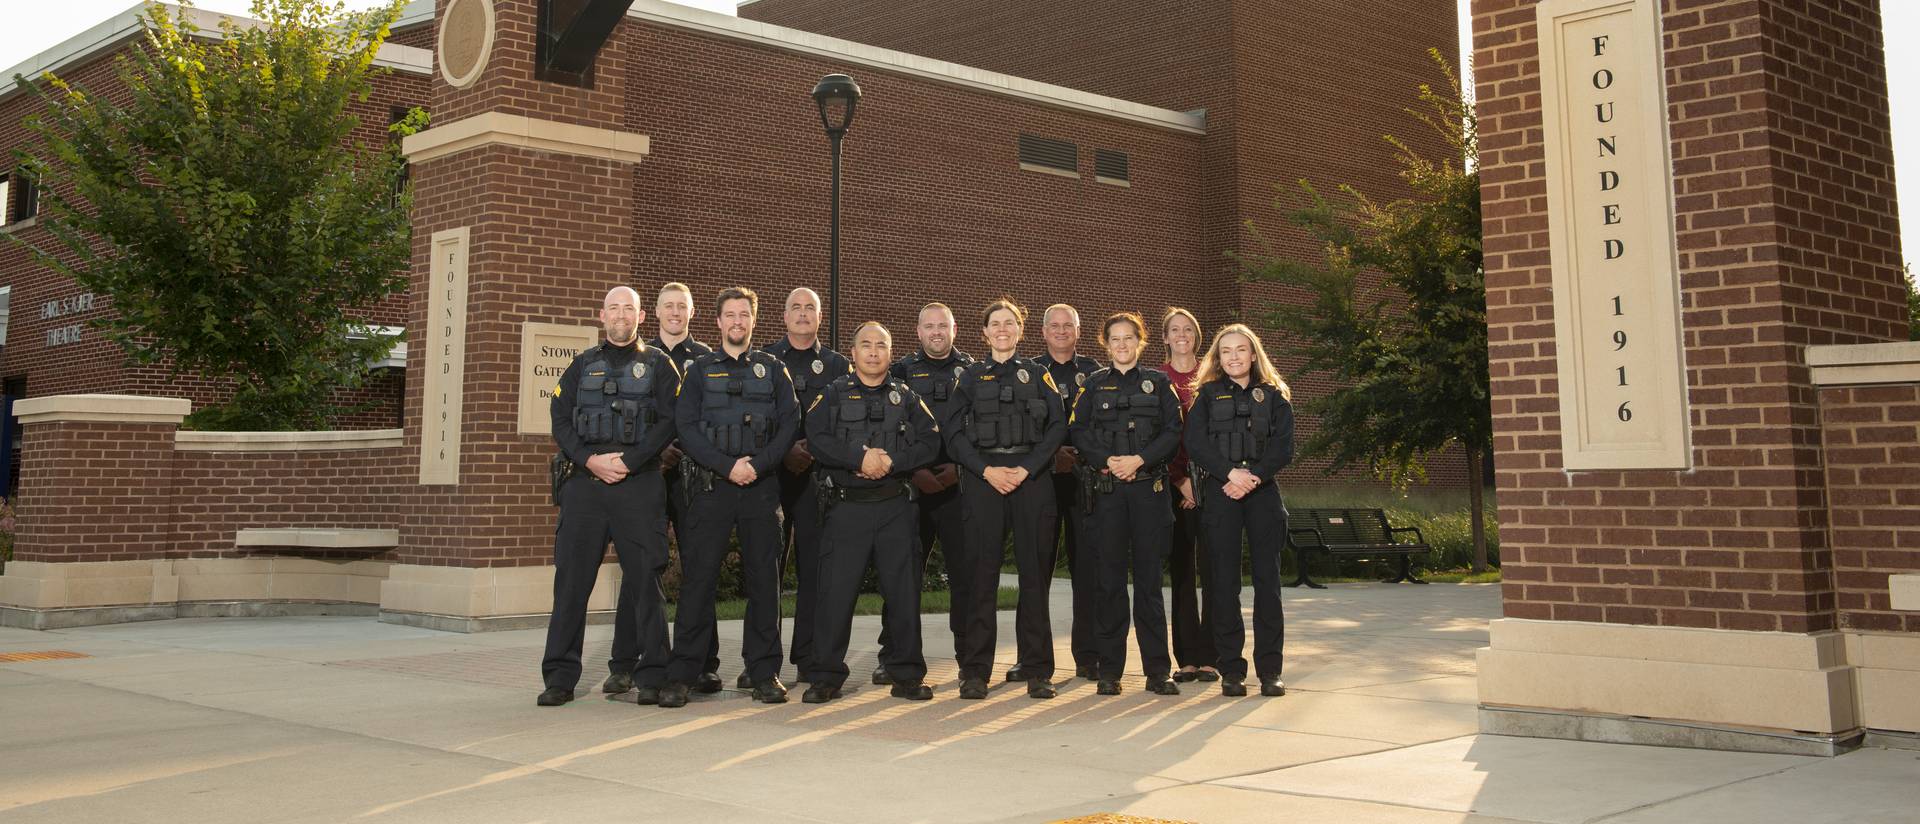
{"type": "Point", "coordinates": [8, 520]}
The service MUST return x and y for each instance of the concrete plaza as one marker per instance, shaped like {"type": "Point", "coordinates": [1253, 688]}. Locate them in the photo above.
{"type": "Point", "coordinates": [315, 719]}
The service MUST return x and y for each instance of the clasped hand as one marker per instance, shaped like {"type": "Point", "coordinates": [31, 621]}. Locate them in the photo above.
{"type": "Point", "coordinates": [1240, 483]}
{"type": "Point", "coordinates": [609, 467]}
{"type": "Point", "coordinates": [1005, 479]}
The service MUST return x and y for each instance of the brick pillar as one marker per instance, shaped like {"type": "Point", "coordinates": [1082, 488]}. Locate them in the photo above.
{"type": "Point", "coordinates": [97, 519]}
{"type": "Point", "coordinates": [537, 177]}
{"type": "Point", "coordinates": [1705, 596]}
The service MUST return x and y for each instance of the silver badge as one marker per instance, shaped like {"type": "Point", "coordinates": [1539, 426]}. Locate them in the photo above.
{"type": "Point", "coordinates": [1079, 379]}
{"type": "Point", "coordinates": [958, 371]}
{"type": "Point", "coordinates": [894, 397]}
{"type": "Point", "coordinates": [1146, 386]}
{"type": "Point", "coordinates": [1259, 395]}
{"type": "Point", "coordinates": [759, 370]}
{"type": "Point", "coordinates": [819, 367]}
{"type": "Point", "coordinates": [639, 370]}
{"type": "Point", "coordinates": [1023, 376]}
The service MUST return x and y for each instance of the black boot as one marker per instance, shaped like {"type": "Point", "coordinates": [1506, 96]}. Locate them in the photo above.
{"type": "Point", "coordinates": [554, 696]}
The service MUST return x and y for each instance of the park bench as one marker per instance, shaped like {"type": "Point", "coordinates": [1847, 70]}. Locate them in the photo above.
{"type": "Point", "coordinates": [1352, 533]}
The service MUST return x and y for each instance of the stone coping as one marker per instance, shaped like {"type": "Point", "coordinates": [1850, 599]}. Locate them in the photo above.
{"type": "Point", "coordinates": [318, 538]}
{"type": "Point", "coordinates": [1865, 363]}
{"type": "Point", "coordinates": [102, 408]}
{"type": "Point", "coordinates": [490, 128]}
{"type": "Point", "coordinates": [125, 26]}
{"type": "Point", "coordinates": [288, 441]}
{"type": "Point", "coordinates": [861, 54]}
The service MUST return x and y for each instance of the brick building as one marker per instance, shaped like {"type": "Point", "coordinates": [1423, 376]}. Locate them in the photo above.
{"type": "Point", "coordinates": [1197, 118]}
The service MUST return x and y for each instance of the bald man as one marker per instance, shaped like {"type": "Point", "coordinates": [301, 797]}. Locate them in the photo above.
{"type": "Point", "coordinates": [812, 366]}
{"type": "Point", "coordinates": [613, 413]}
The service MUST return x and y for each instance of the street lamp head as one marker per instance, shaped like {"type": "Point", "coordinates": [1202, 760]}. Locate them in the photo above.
{"type": "Point", "coordinates": [836, 95]}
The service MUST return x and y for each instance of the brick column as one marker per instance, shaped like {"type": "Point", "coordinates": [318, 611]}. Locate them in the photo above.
{"type": "Point", "coordinates": [1705, 596]}
{"type": "Point", "coordinates": [97, 512]}
{"type": "Point", "coordinates": [539, 175]}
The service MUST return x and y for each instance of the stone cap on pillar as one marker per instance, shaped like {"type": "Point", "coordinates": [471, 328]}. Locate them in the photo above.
{"type": "Point", "coordinates": [1863, 363]}
{"type": "Point", "coordinates": [503, 128]}
{"type": "Point", "coordinates": [102, 408]}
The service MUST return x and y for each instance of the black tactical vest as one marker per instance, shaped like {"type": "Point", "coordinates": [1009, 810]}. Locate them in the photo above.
{"type": "Point", "coordinates": [737, 411]}
{"type": "Point", "coordinates": [615, 407]}
{"type": "Point", "coordinates": [1125, 410]}
{"type": "Point", "coordinates": [868, 416]}
{"type": "Point", "coordinates": [1008, 412]}
{"type": "Point", "coordinates": [934, 384]}
{"type": "Point", "coordinates": [1238, 423]}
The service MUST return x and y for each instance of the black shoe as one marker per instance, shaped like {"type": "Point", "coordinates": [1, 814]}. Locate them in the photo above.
{"type": "Point", "coordinates": [881, 677]}
{"type": "Point", "coordinates": [1273, 687]}
{"type": "Point", "coordinates": [912, 692]}
{"type": "Point", "coordinates": [743, 682]}
{"type": "Point", "coordinates": [1162, 686]}
{"type": "Point", "coordinates": [816, 694]}
{"type": "Point", "coordinates": [617, 683]}
{"type": "Point", "coordinates": [770, 691]}
{"type": "Point", "coordinates": [1040, 688]}
{"type": "Point", "coordinates": [1087, 672]}
{"type": "Point", "coordinates": [554, 696]}
{"type": "Point", "coordinates": [708, 684]}
{"type": "Point", "coordinates": [1232, 688]}
{"type": "Point", "coordinates": [1184, 676]}
{"type": "Point", "coordinates": [1107, 686]}
{"type": "Point", "coordinates": [1208, 676]}
{"type": "Point", "coordinates": [1015, 674]}
{"type": "Point", "coordinates": [673, 695]}
{"type": "Point", "coordinates": [647, 696]}
{"type": "Point", "coordinates": [973, 689]}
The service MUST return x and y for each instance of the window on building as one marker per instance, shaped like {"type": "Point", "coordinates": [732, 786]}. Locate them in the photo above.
{"type": "Point", "coordinates": [6, 199]}
{"type": "Point", "coordinates": [1110, 166]}
{"type": "Point", "coordinates": [1050, 155]}
{"type": "Point", "coordinates": [19, 198]}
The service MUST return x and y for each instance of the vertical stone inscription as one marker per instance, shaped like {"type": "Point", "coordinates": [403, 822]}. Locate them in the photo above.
{"type": "Point", "coordinates": [1623, 401]}
{"type": "Point", "coordinates": [446, 348]}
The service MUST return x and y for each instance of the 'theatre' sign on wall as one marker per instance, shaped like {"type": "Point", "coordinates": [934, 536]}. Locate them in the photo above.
{"type": "Point", "coordinates": [1623, 399]}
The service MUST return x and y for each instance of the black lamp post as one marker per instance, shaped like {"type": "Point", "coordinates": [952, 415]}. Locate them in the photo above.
{"type": "Point", "coordinates": [836, 95]}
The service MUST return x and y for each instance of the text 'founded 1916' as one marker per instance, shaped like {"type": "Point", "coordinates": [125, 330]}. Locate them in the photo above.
{"type": "Point", "coordinates": [446, 345]}
{"type": "Point", "coordinates": [1623, 400]}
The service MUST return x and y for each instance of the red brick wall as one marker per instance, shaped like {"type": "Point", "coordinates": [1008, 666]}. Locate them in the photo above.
{"type": "Point", "coordinates": [1873, 483]}
{"type": "Point", "coordinates": [95, 492]}
{"type": "Point", "coordinates": [1263, 71]}
{"type": "Point", "coordinates": [94, 364]}
{"type": "Point", "coordinates": [216, 494]}
{"type": "Point", "coordinates": [1785, 240]}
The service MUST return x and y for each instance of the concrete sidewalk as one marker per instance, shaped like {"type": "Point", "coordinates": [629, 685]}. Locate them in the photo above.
{"type": "Point", "coordinates": [337, 719]}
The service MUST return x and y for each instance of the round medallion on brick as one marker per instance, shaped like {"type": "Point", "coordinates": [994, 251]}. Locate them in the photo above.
{"type": "Point", "coordinates": [466, 37]}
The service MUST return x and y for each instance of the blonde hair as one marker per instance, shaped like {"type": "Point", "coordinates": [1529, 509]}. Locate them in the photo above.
{"type": "Point", "coordinates": [1263, 371]}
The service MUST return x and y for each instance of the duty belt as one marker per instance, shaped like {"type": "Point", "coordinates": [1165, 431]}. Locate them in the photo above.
{"type": "Point", "coordinates": [1006, 450]}
{"type": "Point", "coordinates": [871, 494]}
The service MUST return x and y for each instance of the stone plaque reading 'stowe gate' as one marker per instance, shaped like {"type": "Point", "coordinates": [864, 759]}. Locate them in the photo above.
{"type": "Point", "coordinates": [1623, 400]}
{"type": "Point", "coordinates": [545, 351]}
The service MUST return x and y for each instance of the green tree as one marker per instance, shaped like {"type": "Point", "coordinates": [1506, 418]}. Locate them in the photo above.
{"type": "Point", "coordinates": [224, 210]}
{"type": "Point", "coordinates": [1397, 311]}
{"type": "Point", "coordinates": [1913, 303]}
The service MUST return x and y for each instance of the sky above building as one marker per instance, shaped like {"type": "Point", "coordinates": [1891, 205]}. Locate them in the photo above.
{"type": "Point", "coordinates": [36, 26]}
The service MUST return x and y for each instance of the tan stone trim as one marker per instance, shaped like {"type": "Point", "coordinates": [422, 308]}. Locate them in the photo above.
{"type": "Point", "coordinates": [1904, 590]}
{"type": "Point", "coordinates": [501, 128]}
{"type": "Point", "coordinates": [288, 441]}
{"type": "Point", "coordinates": [1113, 181]}
{"type": "Point", "coordinates": [40, 585]}
{"type": "Point", "coordinates": [1750, 679]}
{"type": "Point", "coordinates": [319, 538]}
{"type": "Point", "coordinates": [470, 592]}
{"type": "Point", "coordinates": [1888, 677]}
{"type": "Point", "coordinates": [1049, 170]}
{"type": "Point", "coordinates": [1865, 363]}
{"type": "Point", "coordinates": [486, 48]}
{"type": "Point", "coordinates": [847, 52]}
{"type": "Point", "coordinates": [102, 408]}
{"type": "Point", "coordinates": [20, 225]}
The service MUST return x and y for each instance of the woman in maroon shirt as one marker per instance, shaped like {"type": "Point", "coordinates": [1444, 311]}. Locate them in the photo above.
{"type": "Point", "coordinates": [1192, 629]}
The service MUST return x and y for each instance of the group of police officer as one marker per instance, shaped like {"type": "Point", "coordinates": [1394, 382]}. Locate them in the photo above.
{"type": "Point", "coordinates": [849, 464]}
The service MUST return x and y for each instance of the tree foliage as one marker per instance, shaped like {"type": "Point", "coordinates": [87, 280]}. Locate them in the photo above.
{"type": "Point", "coordinates": [224, 210]}
{"type": "Point", "coordinates": [1913, 303]}
{"type": "Point", "coordinates": [1396, 307]}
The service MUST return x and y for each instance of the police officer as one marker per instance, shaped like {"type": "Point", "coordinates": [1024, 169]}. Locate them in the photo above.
{"type": "Point", "coordinates": [1239, 435]}
{"type": "Point", "coordinates": [737, 417]}
{"type": "Point", "coordinates": [613, 412]}
{"type": "Point", "coordinates": [869, 433]}
{"type": "Point", "coordinates": [932, 373]}
{"type": "Point", "coordinates": [1003, 427]}
{"type": "Point", "coordinates": [812, 366]}
{"type": "Point", "coordinates": [1126, 425]}
{"type": "Point", "coordinates": [671, 310]}
{"type": "Point", "coordinates": [1069, 371]}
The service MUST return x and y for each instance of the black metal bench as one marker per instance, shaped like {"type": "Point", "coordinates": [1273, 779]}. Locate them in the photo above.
{"type": "Point", "coordinates": [1354, 533]}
